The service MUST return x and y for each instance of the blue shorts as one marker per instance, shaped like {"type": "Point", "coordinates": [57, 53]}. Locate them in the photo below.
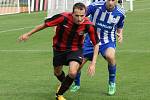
{"type": "Point", "coordinates": [88, 49]}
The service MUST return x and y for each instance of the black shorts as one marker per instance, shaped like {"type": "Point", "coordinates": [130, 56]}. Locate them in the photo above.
{"type": "Point", "coordinates": [64, 57]}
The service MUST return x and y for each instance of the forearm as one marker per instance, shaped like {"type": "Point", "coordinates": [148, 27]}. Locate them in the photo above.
{"type": "Point", "coordinates": [25, 36]}
{"type": "Point", "coordinates": [91, 68]}
{"type": "Point", "coordinates": [120, 35]}
{"type": "Point", "coordinates": [120, 31]}
{"type": "Point", "coordinates": [36, 29]}
{"type": "Point", "coordinates": [95, 53]}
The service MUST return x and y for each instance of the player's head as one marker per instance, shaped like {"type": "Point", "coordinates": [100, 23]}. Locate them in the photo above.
{"type": "Point", "coordinates": [79, 12]}
{"type": "Point", "coordinates": [110, 4]}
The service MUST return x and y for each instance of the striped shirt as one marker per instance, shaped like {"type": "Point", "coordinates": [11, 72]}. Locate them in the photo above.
{"type": "Point", "coordinates": [70, 36]}
{"type": "Point", "coordinates": [106, 22]}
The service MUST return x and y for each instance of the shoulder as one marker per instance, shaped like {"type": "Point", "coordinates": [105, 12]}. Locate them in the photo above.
{"type": "Point", "coordinates": [94, 6]}
{"type": "Point", "coordinates": [97, 4]}
{"type": "Point", "coordinates": [66, 14]}
{"type": "Point", "coordinates": [87, 21]}
{"type": "Point", "coordinates": [120, 10]}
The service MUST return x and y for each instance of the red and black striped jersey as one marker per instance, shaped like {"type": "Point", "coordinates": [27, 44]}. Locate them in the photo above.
{"type": "Point", "coordinates": [70, 36]}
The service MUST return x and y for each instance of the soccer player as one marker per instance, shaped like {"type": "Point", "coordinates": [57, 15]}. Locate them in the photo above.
{"type": "Point", "coordinates": [68, 44]}
{"type": "Point", "coordinates": [109, 20]}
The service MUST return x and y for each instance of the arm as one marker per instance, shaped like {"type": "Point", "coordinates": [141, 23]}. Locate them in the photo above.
{"type": "Point", "coordinates": [53, 21]}
{"type": "Point", "coordinates": [91, 68]}
{"type": "Point", "coordinates": [95, 41]}
{"type": "Point", "coordinates": [120, 29]}
{"type": "Point", "coordinates": [120, 35]}
{"type": "Point", "coordinates": [25, 36]}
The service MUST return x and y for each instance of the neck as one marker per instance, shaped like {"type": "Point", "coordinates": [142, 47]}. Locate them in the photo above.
{"type": "Point", "coordinates": [110, 9]}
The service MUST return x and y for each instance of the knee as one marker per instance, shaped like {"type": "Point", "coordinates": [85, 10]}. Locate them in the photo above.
{"type": "Point", "coordinates": [111, 59]}
{"type": "Point", "coordinates": [73, 74]}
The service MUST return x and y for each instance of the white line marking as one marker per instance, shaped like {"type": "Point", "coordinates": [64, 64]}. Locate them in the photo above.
{"type": "Point", "coordinates": [32, 26]}
{"type": "Point", "coordinates": [25, 50]}
{"type": "Point", "coordinates": [141, 9]}
{"type": "Point", "coordinates": [120, 51]}
{"type": "Point", "coordinates": [15, 29]}
{"type": "Point", "coordinates": [134, 51]}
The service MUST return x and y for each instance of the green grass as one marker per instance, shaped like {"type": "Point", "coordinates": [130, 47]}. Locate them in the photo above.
{"type": "Point", "coordinates": [26, 71]}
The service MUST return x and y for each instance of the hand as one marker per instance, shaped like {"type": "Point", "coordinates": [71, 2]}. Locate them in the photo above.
{"type": "Point", "coordinates": [23, 37]}
{"type": "Point", "coordinates": [91, 69]}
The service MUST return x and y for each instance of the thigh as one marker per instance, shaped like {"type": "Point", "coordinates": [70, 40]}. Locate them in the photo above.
{"type": "Point", "coordinates": [73, 66]}
{"type": "Point", "coordinates": [110, 56]}
{"type": "Point", "coordinates": [107, 49]}
{"type": "Point", "coordinates": [110, 53]}
{"type": "Point", "coordinates": [59, 58]}
{"type": "Point", "coordinates": [76, 56]}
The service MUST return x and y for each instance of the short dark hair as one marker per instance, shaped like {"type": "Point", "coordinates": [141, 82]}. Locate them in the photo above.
{"type": "Point", "coordinates": [80, 6]}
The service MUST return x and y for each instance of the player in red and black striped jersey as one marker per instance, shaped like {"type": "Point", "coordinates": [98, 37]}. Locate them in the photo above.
{"type": "Point", "coordinates": [70, 33]}
{"type": "Point", "coordinates": [68, 43]}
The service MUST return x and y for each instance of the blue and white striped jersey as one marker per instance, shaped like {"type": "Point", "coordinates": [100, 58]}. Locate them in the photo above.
{"type": "Point", "coordinates": [106, 22]}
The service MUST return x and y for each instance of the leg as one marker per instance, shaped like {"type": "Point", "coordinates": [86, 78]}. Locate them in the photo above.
{"type": "Point", "coordinates": [59, 60]}
{"type": "Point", "coordinates": [76, 86]}
{"type": "Point", "coordinates": [74, 59]}
{"type": "Point", "coordinates": [61, 77]}
{"type": "Point", "coordinates": [88, 55]}
{"type": "Point", "coordinates": [110, 57]}
{"type": "Point", "coordinates": [73, 68]}
{"type": "Point", "coordinates": [59, 73]}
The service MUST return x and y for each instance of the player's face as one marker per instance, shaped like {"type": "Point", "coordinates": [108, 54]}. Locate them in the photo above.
{"type": "Point", "coordinates": [78, 16]}
{"type": "Point", "coordinates": [110, 4]}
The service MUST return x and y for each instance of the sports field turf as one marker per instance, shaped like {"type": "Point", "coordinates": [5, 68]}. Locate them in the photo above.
{"type": "Point", "coordinates": [26, 71]}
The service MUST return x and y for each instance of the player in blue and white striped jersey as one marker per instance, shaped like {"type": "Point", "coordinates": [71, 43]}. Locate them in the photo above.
{"type": "Point", "coordinates": [109, 20]}
{"type": "Point", "coordinates": [106, 20]}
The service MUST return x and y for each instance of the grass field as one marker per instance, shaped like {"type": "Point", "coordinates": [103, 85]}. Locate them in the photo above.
{"type": "Point", "coordinates": [26, 71]}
